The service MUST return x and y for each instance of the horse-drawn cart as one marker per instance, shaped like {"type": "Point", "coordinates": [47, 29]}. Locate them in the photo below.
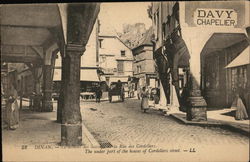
{"type": "Point", "coordinates": [116, 89]}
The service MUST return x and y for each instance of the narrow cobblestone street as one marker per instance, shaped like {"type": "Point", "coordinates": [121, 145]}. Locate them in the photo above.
{"type": "Point", "coordinates": [125, 81]}
{"type": "Point", "coordinates": [124, 123]}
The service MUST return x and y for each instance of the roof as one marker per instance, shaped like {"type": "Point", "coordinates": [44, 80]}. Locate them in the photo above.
{"type": "Point", "coordinates": [89, 75]}
{"type": "Point", "coordinates": [242, 59]}
{"type": "Point", "coordinates": [148, 37]}
{"type": "Point", "coordinates": [109, 31]}
{"type": "Point", "coordinates": [123, 42]}
{"type": "Point", "coordinates": [146, 40]}
{"type": "Point", "coordinates": [114, 36]}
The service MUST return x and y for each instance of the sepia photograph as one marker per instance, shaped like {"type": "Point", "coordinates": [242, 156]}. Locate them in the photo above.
{"type": "Point", "coordinates": [125, 81]}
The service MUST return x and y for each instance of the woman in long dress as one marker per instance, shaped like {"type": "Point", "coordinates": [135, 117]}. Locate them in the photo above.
{"type": "Point", "coordinates": [144, 101]}
{"type": "Point", "coordinates": [12, 108]}
{"type": "Point", "coordinates": [241, 113]}
{"type": "Point", "coordinates": [138, 91]}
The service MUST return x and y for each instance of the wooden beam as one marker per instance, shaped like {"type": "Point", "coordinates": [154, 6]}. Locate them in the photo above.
{"type": "Point", "coordinates": [49, 41]}
{"type": "Point", "coordinates": [20, 59]}
{"type": "Point", "coordinates": [37, 51]}
{"type": "Point", "coordinates": [23, 26]}
{"type": "Point", "coordinates": [57, 33]}
{"type": "Point", "coordinates": [13, 49]}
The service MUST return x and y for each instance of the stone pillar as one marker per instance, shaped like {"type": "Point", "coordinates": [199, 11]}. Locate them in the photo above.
{"type": "Point", "coordinates": [60, 99]}
{"type": "Point", "coordinates": [247, 95]}
{"type": "Point", "coordinates": [196, 104]}
{"type": "Point", "coordinates": [163, 100]}
{"type": "Point", "coordinates": [37, 97]}
{"type": "Point", "coordinates": [71, 127]}
{"type": "Point", "coordinates": [21, 93]}
{"type": "Point", "coordinates": [59, 107]}
{"type": "Point", "coordinates": [47, 105]}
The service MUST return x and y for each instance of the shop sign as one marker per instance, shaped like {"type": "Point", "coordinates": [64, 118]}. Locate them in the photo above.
{"type": "Point", "coordinates": [215, 17]}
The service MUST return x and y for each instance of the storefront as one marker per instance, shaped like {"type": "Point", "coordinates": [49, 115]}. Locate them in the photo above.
{"type": "Point", "coordinates": [215, 35]}
{"type": "Point", "coordinates": [220, 80]}
{"type": "Point", "coordinates": [202, 38]}
{"type": "Point", "coordinates": [239, 68]}
{"type": "Point", "coordinates": [149, 80]}
{"type": "Point", "coordinates": [89, 79]}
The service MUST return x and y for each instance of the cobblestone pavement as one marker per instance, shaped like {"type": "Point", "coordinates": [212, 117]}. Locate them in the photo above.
{"type": "Point", "coordinates": [34, 128]}
{"type": "Point", "coordinates": [124, 123]}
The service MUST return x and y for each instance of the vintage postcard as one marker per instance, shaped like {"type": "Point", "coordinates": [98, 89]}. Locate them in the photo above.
{"type": "Point", "coordinates": [125, 81]}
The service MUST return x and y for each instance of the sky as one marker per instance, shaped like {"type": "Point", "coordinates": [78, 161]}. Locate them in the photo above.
{"type": "Point", "coordinates": [114, 15]}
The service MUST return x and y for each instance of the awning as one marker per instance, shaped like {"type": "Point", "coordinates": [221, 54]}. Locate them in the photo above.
{"type": "Point", "coordinates": [89, 75]}
{"type": "Point", "coordinates": [86, 75]}
{"type": "Point", "coordinates": [57, 74]}
{"type": "Point", "coordinates": [242, 59]}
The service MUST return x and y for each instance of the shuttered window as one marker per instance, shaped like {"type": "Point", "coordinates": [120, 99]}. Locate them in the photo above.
{"type": "Point", "coordinates": [120, 66]}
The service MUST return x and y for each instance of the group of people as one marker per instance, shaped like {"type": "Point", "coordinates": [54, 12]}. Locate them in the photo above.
{"type": "Point", "coordinates": [11, 114]}
{"type": "Point", "coordinates": [238, 103]}
{"type": "Point", "coordinates": [146, 94]}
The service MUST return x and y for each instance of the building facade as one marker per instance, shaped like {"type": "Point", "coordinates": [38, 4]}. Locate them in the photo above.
{"type": "Point", "coordinates": [144, 65]}
{"type": "Point", "coordinates": [203, 39]}
{"type": "Point", "coordinates": [115, 58]}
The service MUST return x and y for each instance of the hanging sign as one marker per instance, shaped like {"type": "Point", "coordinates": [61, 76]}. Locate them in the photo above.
{"type": "Point", "coordinates": [206, 17]}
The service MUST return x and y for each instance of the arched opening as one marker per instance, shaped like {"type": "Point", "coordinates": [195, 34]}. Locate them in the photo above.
{"type": "Point", "coordinates": [218, 83]}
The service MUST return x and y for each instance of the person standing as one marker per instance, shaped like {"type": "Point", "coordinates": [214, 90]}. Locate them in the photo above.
{"type": "Point", "coordinates": [98, 94]}
{"type": "Point", "coordinates": [138, 92]}
{"type": "Point", "coordinates": [119, 87]}
{"type": "Point", "coordinates": [133, 90]}
{"type": "Point", "coordinates": [241, 113]}
{"type": "Point", "coordinates": [156, 96]}
{"type": "Point", "coordinates": [144, 101]}
{"type": "Point", "coordinates": [12, 108]}
{"type": "Point", "coordinates": [129, 87]}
